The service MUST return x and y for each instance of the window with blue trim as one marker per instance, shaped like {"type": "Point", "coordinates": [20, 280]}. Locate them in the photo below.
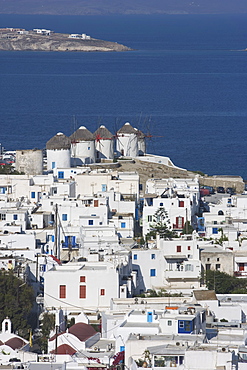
{"type": "Point", "coordinates": [64, 216]}
{"type": "Point", "coordinates": [60, 174]}
{"type": "Point", "coordinates": [15, 217]}
{"type": "Point", "coordinates": [53, 238]}
{"type": "Point", "coordinates": [103, 187]}
{"type": "Point", "coordinates": [161, 204]}
{"type": "Point", "coordinates": [149, 316]}
{"type": "Point", "coordinates": [215, 230]}
{"type": "Point", "coordinates": [90, 222]}
{"type": "Point", "coordinates": [123, 225]}
{"type": "Point", "coordinates": [152, 272]}
{"type": "Point", "coordinates": [33, 194]}
{"type": "Point", "coordinates": [3, 190]}
{"type": "Point", "coordinates": [152, 256]}
{"type": "Point", "coordinates": [135, 256]}
{"type": "Point", "coordinates": [53, 164]}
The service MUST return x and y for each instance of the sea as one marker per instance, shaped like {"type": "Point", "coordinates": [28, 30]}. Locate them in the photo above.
{"type": "Point", "coordinates": [184, 84]}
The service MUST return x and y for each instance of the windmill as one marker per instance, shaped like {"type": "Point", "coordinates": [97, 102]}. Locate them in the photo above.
{"type": "Point", "coordinates": [104, 143]}
{"type": "Point", "coordinates": [148, 134]}
{"type": "Point", "coordinates": [126, 141]}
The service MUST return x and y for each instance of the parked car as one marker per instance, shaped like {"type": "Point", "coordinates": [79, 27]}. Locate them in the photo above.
{"type": "Point", "coordinates": [204, 192]}
{"type": "Point", "coordinates": [230, 190]}
{"type": "Point", "coordinates": [210, 188]}
{"type": "Point", "coordinates": [220, 189]}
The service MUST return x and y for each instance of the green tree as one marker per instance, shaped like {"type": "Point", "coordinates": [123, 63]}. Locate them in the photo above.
{"type": "Point", "coordinates": [161, 225]}
{"type": "Point", "coordinates": [16, 302]}
{"type": "Point", "coordinates": [223, 283]}
{"type": "Point", "coordinates": [187, 229]}
{"type": "Point", "coordinates": [223, 237]}
{"type": "Point", "coordinates": [47, 324]}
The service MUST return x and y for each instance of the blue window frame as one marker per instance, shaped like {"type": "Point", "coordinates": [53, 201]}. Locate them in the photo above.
{"type": "Point", "coordinates": [60, 174]}
{"type": "Point", "coordinates": [103, 187]}
{"type": "Point", "coordinates": [215, 230]}
{"type": "Point", "coordinates": [90, 222]}
{"type": "Point", "coordinates": [3, 190]}
{"type": "Point", "coordinates": [135, 256]}
{"type": "Point", "coordinates": [33, 194]}
{"type": "Point", "coordinates": [123, 225]}
{"type": "Point", "coordinates": [15, 217]}
{"type": "Point", "coordinates": [185, 326]}
{"type": "Point", "coordinates": [149, 316]}
{"type": "Point", "coordinates": [152, 272]}
{"type": "Point", "coordinates": [122, 348]}
{"type": "Point", "coordinates": [152, 256]}
{"type": "Point", "coordinates": [64, 216]}
{"type": "Point", "coordinates": [53, 164]}
{"type": "Point", "coordinates": [161, 204]}
{"type": "Point", "coordinates": [53, 238]}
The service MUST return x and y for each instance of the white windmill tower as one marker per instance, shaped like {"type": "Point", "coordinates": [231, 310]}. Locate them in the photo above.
{"type": "Point", "coordinates": [82, 146]}
{"type": "Point", "coordinates": [104, 143]}
{"type": "Point", "coordinates": [58, 152]}
{"type": "Point", "coordinates": [127, 141]}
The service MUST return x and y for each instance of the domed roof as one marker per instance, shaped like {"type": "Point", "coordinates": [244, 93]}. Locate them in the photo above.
{"type": "Point", "coordinates": [65, 349]}
{"type": "Point", "coordinates": [15, 343]}
{"type": "Point", "coordinates": [127, 129]}
{"type": "Point", "coordinates": [82, 134]}
{"type": "Point", "coordinates": [59, 141]}
{"type": "Point", "coordinates": [102, 133]}
{"type": "Point", "coordinates": [82, 331]}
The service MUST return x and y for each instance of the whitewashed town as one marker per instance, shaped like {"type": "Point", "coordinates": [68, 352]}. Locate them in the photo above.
{"type": "Point", "coordinates": [125, 254]}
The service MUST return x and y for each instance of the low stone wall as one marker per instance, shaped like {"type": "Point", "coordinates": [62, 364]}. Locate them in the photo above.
{"type": "Point", "coordinates": [235, 182]}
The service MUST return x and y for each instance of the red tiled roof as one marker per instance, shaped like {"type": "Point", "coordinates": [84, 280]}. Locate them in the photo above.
{"type": "Point", "coordinates": [65, 349]}
{"type": "Point", "coordinates": [82, 331]}
{"type": "Point", "coordinates": [15, 343]}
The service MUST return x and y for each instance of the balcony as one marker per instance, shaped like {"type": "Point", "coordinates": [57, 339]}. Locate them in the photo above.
{"type": "Point", "coordinates": [182, 274]}
{"type": "Point", "coordinates": [240, 273]}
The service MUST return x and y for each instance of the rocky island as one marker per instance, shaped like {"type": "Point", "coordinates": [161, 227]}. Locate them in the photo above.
{"type": "Point", "coordinates": [46, 40]}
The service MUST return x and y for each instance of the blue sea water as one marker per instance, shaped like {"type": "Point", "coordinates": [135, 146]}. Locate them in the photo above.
{"type": "Point", "coordinates": [185, 82]}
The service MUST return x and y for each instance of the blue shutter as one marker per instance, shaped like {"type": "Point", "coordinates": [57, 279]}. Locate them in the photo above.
{"type": "Point", "coordinates": [150, 317]}
{"type": "Point", "coordinates": [215, 230]}
{"type": "Point", "coordinates": [73, 242]}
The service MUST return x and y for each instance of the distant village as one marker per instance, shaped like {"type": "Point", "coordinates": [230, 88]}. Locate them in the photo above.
{"type": "Point", "coordinates": [39, 31]}
{"type": "Point", "coordinates": [120, 263]}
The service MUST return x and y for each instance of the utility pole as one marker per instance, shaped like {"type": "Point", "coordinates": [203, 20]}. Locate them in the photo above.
{"type": "Point", "coordinates": [56, 232]}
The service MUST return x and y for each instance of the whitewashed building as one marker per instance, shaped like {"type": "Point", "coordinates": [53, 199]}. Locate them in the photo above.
{"type": "Point", "coordinates": [179, 198]}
